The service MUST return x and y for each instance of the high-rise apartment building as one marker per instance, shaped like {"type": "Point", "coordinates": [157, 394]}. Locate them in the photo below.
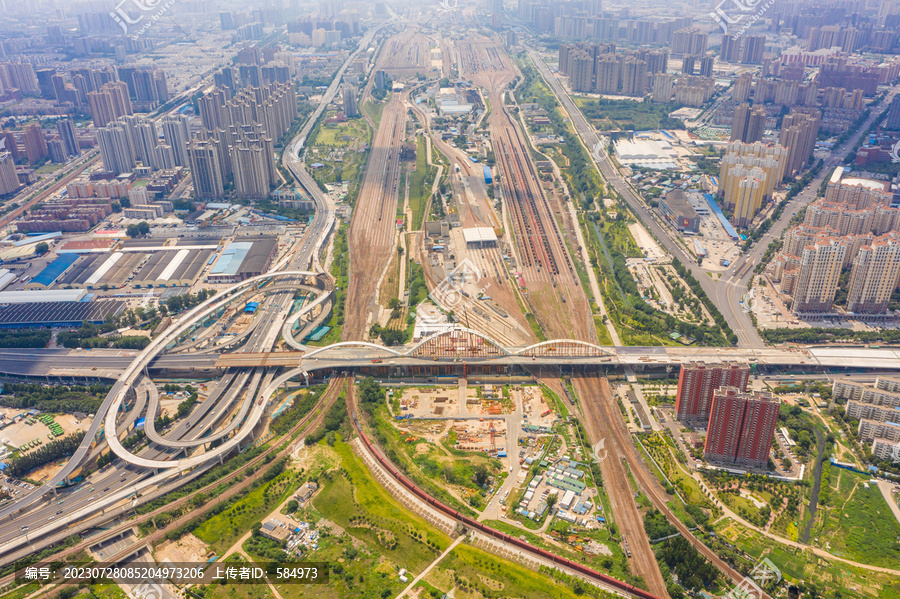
{"type": "Point", "coordinates": [707, 65]}
{"type": "Point", "coordinates": [634, 76]}
{"type": "Point", "coordinates": [741, 428]}
{"type": "Point", "coordinates": [799, 131]}
{"type": "Point", "coordinates": [350, 106]}
{"type": "Point", "coordinates": [749, 123]}
{"type": "Point", "coordinates": [820, 271]}
{"type": "Point", "coordinates": [109, 103]}
{"type": "Point", "coordinates": [743, 86]}
{"type": "Point", "coordinates": [20, 75]}
{"type": "Point", "coordinates": [657, 61]}
{"type": "Point", "coordinates": [581, 71]}
{"type": "Point", "coordinates": [34, 142]}
{"type": "Point", "coordinates": [874, 277]}
{"type": "Point", "coordinates": [857, 193]}
{"type": "Point", "coordinates": [731, 48]}
{"type": "Point", "coordinates": [206, 171]}
{"type": "Point", "coordinates": [696, 384]}
{"type": "Point", "coordinates": [66, 130]}
{"type": "Point", "coordinates": [754, 48]}
{"type": "Point", "coordinates": [176, 133]}
{"type": "Point", "coordinates": [893, 118]}
{"type": "Point", "coordinates": [609, 72]}
{"type": "Point", "coordinates": [116, 148]}
{"type": "Point", "coordinates": [690, 40]}
{"type": "Point", "coordinates": [748, 176]}
{"type": "Point", "coordinates": [661, 90]}
{"type": "Point", "coordinates": [9, 181]}
{"type": "Point", "coordinates": [251, 160]}
{"type": "Point", "coordinates": [748, 195]}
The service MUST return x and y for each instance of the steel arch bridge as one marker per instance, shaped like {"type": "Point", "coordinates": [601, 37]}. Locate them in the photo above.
{"type": "Point", "coordinates": [380, 350]}
{"type": "Point", "coordinates": [458, 342]}
{"type": "Point", "coordinates": [570, 348]}
{"type": "Point", "coordinates": [461, 342]}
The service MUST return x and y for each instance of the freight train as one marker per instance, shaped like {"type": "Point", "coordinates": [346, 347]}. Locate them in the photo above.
{"type": "Point", "coordinates": [474, 524]}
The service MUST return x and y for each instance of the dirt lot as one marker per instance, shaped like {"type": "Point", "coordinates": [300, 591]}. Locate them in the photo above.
{"type": "Point", "coordinates": [185, 550]}
{"type": "Point", "coordinates": [648, 245]}
{"type": "Point", "coordinates": [19, 434]}
{"type": "Point", "coordinates": [534, 404]}
{"type": "Point", "coordinates": [432, 401]}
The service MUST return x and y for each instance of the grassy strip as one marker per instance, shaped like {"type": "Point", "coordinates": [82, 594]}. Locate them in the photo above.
{"type": "Point", "coordinates": [420, 185]}
{"type": "Point", "coordinates": [340, 270]}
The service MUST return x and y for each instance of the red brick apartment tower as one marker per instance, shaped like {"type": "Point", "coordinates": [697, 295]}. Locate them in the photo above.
{"type": "Point", "coordinates": [696, 384]}
{"type": "Point", "coordinates": [741, 428]}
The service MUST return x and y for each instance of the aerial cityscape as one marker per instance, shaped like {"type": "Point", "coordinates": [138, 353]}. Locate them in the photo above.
{"type": "Point", "coordinates": [465, 299]}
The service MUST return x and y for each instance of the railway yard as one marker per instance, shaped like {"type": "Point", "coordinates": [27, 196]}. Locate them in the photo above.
{"type": "Point", "coordinates": [247, 405]}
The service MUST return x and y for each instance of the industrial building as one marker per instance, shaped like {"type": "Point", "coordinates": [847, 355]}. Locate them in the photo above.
{"type": "Point", "coordinates": [241, 260]}
{"type": "Point", "coordinates": [52, 272]}
{"type": "Point", "coordinates": [480, 237]}
{"type": "Point", "coordinates": [58, 314]}
{"type": "Point", "coordinates": [43, 296]}
{"type": "Point", "coordinates": [680, 213]}
{"type": "Point", "coordinates": [179, 268]}
{"type": "Point", "coordinates": [646, 153]}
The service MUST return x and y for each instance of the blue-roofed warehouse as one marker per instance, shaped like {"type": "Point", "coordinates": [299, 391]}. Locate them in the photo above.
{"type": "Point", "coordinates": [244, 259]}
{"type": "Point", "coordinates": [52, 271]}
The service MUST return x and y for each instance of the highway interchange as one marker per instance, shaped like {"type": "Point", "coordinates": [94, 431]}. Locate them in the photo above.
{"type": "Point", "coordinates": [230, 409]}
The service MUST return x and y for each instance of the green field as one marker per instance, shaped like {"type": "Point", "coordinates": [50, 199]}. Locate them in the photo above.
{"type": "Point", "coordinates": [857, 523]}
{"type": "Point", "coordinates": [420, 182]}
{"type": "Point", "coordinates": [797, 565]}
{"type": "Point", "coordinates": [340, 148]}
{"type": "Point", "coordinates": [340, 270]}
{"type": "Point", "coordinates": [222, 530]}
{"type": "Point", "coordinates": [48, 168]}
{"type": "Point", "coordinates": [476, 573]}
{"type": "Point", "coordinates": [628, 114]}
{"type": "Point", "coordinates": [374, 110]}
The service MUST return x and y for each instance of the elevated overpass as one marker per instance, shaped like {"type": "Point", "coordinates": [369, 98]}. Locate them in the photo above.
{"type": "Point", "coordinates": [448, 350]}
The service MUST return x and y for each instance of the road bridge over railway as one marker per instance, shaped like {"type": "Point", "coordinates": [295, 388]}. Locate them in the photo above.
{"type": "Point", "coordinates": [452, 352]}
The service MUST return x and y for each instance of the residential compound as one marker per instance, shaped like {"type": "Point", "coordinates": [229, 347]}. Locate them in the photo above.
{"type": "Point", "coordinates": [855, 228]}
{"type": "Point", "coordinates": [741, 427]}
{"type": "Point", "coordinates": [696, 384]}
{"type": "Point", "coordinates": [751, 170]}
{"type": "Point", "coordinates": [877, 408]}
{"type": "Point", "coordinates": [237, 140]}
{"type": "Point", "coordinates": [748, 176]}
{"type": "Point", "coordinates": [598, 68]}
